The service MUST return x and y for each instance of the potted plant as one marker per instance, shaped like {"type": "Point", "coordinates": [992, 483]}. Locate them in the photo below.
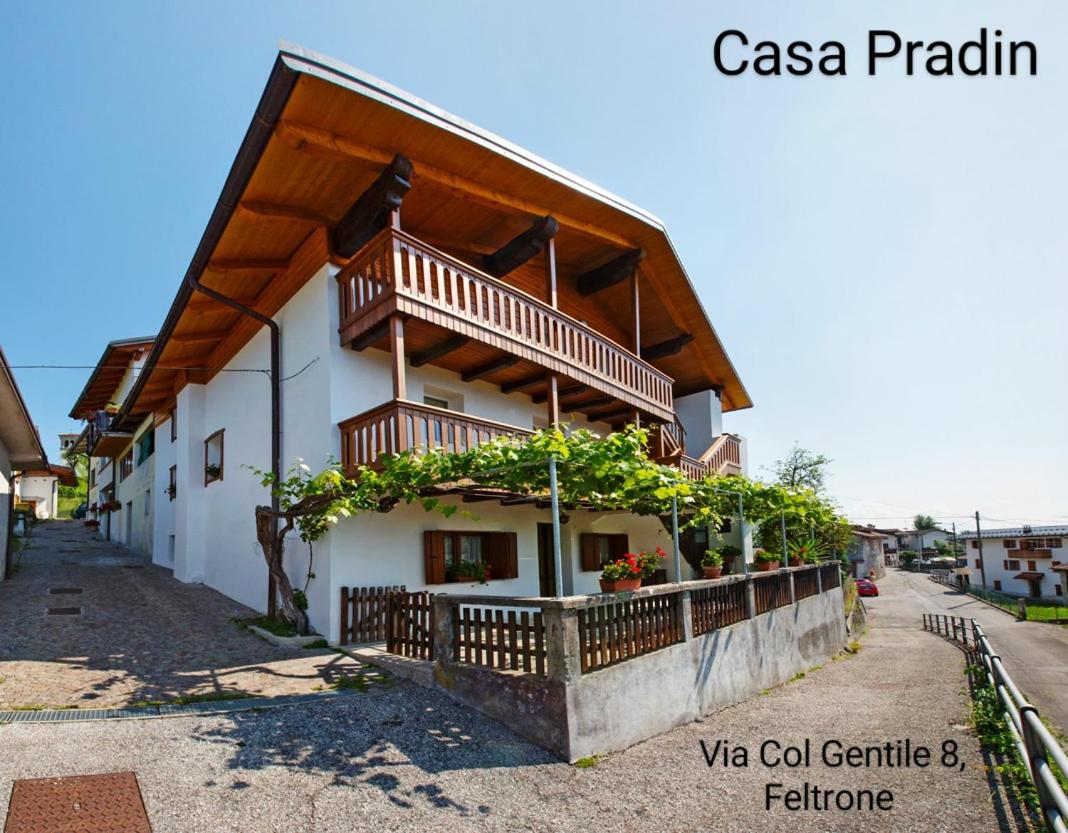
{"type": "Point", "coordinates": [712, 563]}
{"type": "Point", "coordinates": [172, 491]}
{"type": "Point", "coordinates": [212, 471]}
{"type": "Point", "coordinates": [806, 552]}
{"type": "Point", "coordinates": [730, 553]}
{"type": "Point", "coordinates": [622, 574]}
{"type": "Point", "coordinates": [92, 523]}
{"type": "Point", "coordinates": [766, 561]}
{"type": "Point", "coordinates": [466, 572]}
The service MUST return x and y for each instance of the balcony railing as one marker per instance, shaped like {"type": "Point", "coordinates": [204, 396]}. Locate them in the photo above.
{"type": "Point", "coordinates": [724, 456]}
{"type": "Point", "coordinates": [400, 426]}
{"type": "Point", "coordinates": [395, 272]}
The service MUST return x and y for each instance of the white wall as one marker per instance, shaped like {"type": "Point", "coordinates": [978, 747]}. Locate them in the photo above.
{"type": "Point", "coordinates": [163, 515]}
{"type": "Point", "coordinates": [6, 487]}
{"type": "Point", "coordinates": [43, 490]}
{"type": "Point", "coordinates": [132, 525]}
{"type": "Point", "coordinates": [701, 414]}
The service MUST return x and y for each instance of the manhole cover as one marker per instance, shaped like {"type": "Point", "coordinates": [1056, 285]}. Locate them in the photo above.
{"type": "Point", "coordinates": [64, 611]}
{"type": "Point", "coordinates": [62, 591]}
{"type": "Point", "coordinates": [108, 803]}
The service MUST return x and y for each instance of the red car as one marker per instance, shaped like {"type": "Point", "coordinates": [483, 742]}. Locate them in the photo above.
{"type": "Point", "coordinates": [866, 587]}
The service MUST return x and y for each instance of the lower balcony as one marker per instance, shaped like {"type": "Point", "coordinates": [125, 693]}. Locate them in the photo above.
{"type": "Point", "coordinates": [465, 320]}
{"type": "Point", "coordinates": [400, 425]}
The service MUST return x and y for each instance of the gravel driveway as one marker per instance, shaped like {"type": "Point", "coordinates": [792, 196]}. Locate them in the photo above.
{"type": "Point", "coordinates": [399, 757]}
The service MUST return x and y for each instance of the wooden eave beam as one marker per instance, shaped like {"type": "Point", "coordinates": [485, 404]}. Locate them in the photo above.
{"type": "Point", "coordinates": [313, 139]}
{"type": "Point", "coordinates": [442, 348]}
{"type": "Point", "coordinates": [370, 213]}
{"type": "Point", "coordinates": [610, 415]}
{"type": "Point", "coordinates": [667, 348]}
{"type": "Point", "coordinates": [571, 390]}
{"type": "Point", "coordinates": [489, 367]}
{"type": "Point", "coordinates": [618, 269]}
{"type": "Point", "coordinates": [291, 213]}
{"type": "Point", "coordinates": [369, 337]}
{"type": "Point", "coordinates": [192, 338]}
{"type": "Point", "coordinates": [522, 248]}
{"type": "Point", "coordinates": [523, 384]}
{"type": "Point", "coordinates": [223, 265]}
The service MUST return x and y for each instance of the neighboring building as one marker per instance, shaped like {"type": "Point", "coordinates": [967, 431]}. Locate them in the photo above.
{"type": "Point", "coordinates": [38, 488]}
{"type": "Point", "coordinates": [67, 443]}
{"type": "Point", "coordinates": [463, 290]}
{"type": "Point", "coordinates": [121, 461]}
{"type": "Point", "coordinates": [866, 553]}
{"type": "Point", "coordinates": [1020, 561]}
{"type": "Point", "coordinates": [920, 541]}
{"type": "Point", "coordinates": [20, 450]}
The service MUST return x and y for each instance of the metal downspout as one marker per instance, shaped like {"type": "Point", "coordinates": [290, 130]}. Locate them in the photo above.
{"type": "Point", "coordinates": [276, 405]}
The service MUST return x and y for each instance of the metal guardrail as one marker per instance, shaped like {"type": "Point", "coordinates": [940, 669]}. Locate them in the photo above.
{"type": "Point", "coordinates": [1037, 746]}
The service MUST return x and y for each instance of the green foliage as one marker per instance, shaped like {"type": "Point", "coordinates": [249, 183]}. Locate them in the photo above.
{"type": "Point", "coordinates": [907, 556]}
{"type": "Point", "coordinates": [810, 551]}
{"type": "Point", "coordinates": [589, 762]}
{"type": "Point", "coordinates": [275, 626]}
{"type": "Point", "coordinates": [762, 556]}
{"type": "Point", "coordinates": [475, 570]}
{"type": "Point", "coordinates": [612, 473]}
{"type": "Point", "coordinates": [801, 470]}
{"type": "Point", "coordinates": [712, 558]}
{"type": "Point", "coordinates": [300, 599]}
{"type": "Point", "coordinates": [924, 522]}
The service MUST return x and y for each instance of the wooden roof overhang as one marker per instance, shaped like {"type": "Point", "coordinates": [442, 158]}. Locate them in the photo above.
{"type": "Point", "coordinates": [108, 375]}
{"type": "Point", "coordinates": [322, 133]}
{"type": "Point", "coordinates": [17, 431]}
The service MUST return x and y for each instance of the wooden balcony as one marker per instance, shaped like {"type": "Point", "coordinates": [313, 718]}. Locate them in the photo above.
{"type": "Point", "coordinates": [448, 303]}
{"type": "Point", "coordinates": [724, 456]}
{"type": "Point", "coordinates": [400, 426]}
{"type": "Point", "coordinates": [1024, 555]}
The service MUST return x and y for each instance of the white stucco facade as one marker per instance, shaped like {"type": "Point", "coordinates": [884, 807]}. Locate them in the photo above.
{"type": "Point", "coordinates": [42, 491]}
{"type": "Point", "coordinates": [1040, 553]}
{"type": "Point", "coordinates": [207, 532]}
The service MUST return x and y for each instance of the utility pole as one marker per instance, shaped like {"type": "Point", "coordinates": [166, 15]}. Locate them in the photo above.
{"type": "Point", "coordinates": [979, 543]}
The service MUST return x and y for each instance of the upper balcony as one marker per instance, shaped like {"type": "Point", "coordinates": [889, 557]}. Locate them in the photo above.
{"type": "Point", "coordinates": [480, 326]}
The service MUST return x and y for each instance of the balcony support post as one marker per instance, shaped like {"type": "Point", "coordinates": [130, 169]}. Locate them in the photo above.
{"type": "Point", "coordinates": [634, 299]}
{"type": "Point", "coordinates": [550, 272]}
{"type": "Point", "coordinates": [396, 347]}
{"type": "Point", "coordinates": [552, 397]}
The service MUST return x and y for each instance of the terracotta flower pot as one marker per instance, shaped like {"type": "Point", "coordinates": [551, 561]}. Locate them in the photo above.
{"type": "Point", "coordinates": [466, 579]}
{"type": "Point", "coordinates": [795, 562]}
{"type": "Point", "coordinates": [767, 566]}
{"type": "Point", "coordinates": [712, 572]}
{"type": "Point", "coordinates": [620, 586]}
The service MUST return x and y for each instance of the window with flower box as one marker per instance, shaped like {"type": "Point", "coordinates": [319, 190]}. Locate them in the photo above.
{"type": "Point", "coordinates": [597, 549]}
{"type": "Point", "coordinates": [446, 551]}
{"type": "Point", "coordinates": [213, 457]}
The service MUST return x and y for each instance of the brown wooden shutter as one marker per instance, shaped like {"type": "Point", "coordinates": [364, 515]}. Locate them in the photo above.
{"type": "Point", "coordinates": [588, 545]}
{"type": "Point", "coordinates": [619, 546]}
{"type": "Point", "coordinates": [500, 553]}
{"type": "Point", "coordinates": [434, 557]}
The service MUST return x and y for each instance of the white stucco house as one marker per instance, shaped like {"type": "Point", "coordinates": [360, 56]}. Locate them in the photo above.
{"type": "Point", "coordinates": [920, 541]}
{"type": "Point", "coordinates": [1020, 561]}
{"type": "Point", "coordinates": [867, 553]}
{"type": "Point", "coordinates": [380, 275]}
{"type": "Point", "coordinates": [38, 488]}
{"type": "Point", "coordinates": [121, 462]}
{"type": "Point", "coordinates": [20, 450]}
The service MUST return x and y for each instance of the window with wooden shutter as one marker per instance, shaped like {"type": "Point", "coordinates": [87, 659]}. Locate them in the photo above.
{"type": "Point", "coordinates": [598, 549]}
{"type": "Point", "coordinates": [499, 552]}
{"type": "Point", "coordinates": [434, 556]}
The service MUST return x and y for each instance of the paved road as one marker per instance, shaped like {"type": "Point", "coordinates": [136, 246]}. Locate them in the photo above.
{"type": "Point", "coordinates": [1035, 654]}
{"type": "Point", "coordinates": [399, 757]}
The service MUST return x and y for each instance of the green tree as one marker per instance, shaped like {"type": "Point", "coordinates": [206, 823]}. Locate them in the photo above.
{"type": "Point", "coordinates": [924, 523]}
{"type": "Point", "coordinates": [801, 469]}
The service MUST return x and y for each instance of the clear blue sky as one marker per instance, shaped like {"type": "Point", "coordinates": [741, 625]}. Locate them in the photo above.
{"type": "Point", "coordinates": [883, 257]}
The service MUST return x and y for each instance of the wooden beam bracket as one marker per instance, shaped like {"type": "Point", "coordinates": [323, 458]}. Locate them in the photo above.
{"type": "Point", "coordinates": [371, 212]}
{"type": "Point", "coordinates": [438, 350]}
{"type": "Point", "coordinates": [522, 248]}
{"type": "Point", "coordinates": [609, 274]}
{"type": "Point", "coordinates": [489, 367]}
{"type": "Point", "coordinates": [667, 348]}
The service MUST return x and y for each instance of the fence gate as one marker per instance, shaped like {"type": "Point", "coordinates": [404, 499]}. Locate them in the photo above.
{"type": "Point", "coordinates": [410, 624]}
{"type": "Point", "coordinates": [364, 613]}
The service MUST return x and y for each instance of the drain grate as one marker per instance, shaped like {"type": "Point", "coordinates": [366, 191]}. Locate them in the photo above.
{"type": "Point", "coordinates": [64, 611]}
{"type": "Point", "coordinates": [109, 803]}
{"type": "Point", "coordinates": [63, 591]}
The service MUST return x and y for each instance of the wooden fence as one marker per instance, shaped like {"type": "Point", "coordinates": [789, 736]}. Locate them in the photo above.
{"type": "Point", "coordinates": [500, 639]}
{"type": "Point", "coordinates": [806, 584]}
{"type": "Point", "coordinates": [613, 632]}
{"type": "Point", "coordinates": [410, 624]}
{"type": "Point", "coordinates": [772, 590]}
{"type": "Point", "coordinates": [363, 613]}
{"type": "Point", "coordinates": [830, 576]}
{"type": "Point", "coordinates": [717, 607]}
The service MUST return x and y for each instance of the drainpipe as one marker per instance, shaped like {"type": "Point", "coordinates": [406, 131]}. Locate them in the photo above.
{"type": "Point", "coordinates": [276, 406]}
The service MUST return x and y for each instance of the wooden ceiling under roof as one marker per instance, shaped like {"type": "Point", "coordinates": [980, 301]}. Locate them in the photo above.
{"type": "Point", "coordinates": [471, 193]}
{"type": "Point", "coordinates": [107, 376]}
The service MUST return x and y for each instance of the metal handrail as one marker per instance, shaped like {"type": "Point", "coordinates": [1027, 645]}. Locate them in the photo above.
{"type": "Point", "coordinates": [1035, 743]}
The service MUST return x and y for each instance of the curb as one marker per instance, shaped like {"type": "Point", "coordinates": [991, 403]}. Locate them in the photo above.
{"type": "Point", "coordinates": [154, 712]}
